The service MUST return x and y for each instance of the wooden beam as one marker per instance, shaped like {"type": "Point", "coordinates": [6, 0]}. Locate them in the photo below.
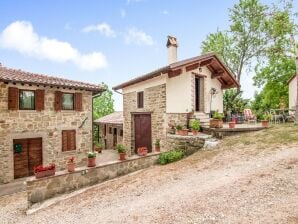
{"type": "Point", "coordinates": [206, 62]}
{"type": "Point", "coordinates": [192, 67]}
{"type": "Point", "coordinates": [174, 73]}
{"type": "Point", "coordinates": [217, 74]}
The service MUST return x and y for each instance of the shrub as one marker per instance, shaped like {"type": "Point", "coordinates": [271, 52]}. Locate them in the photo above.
{"type": "Point", "coordinates": [171, 156]}
{"type": "Point", "coordinates": [178, 127]}
{"type": "Point", "coordinates": [121, 148]}
{"type": "Point", "coordinates": [91, 155]}
{"type": "Point", "coordinates": [218, 116]}
{"type": "Point", "coordinates": [195, 125]}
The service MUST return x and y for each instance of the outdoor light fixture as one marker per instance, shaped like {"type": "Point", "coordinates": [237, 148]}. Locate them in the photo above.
{"type": "Point", "coordinates": [200, 69]}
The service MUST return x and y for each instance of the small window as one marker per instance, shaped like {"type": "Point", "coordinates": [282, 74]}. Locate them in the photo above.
{"type": "Point", "coordinates": [27, 99]}
{"type": "Point", "coordinates": [140, 99]}
{"type": "Point", "coordinates": [68, 140]}
{"type": "Point", "coordinates": [121, 132]}
{"type": "Point", "coordinates": [110, 130]}
{"type": "Point", "coordinates": [67, 101]}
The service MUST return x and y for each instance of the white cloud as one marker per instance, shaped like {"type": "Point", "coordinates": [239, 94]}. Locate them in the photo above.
{"type": "Point", "coordinates": [131, 1]}
{"type": "Point", "coordinates": [123, 13]}
{"type": "Point", "coordinates": [138, 37]}
{"type": "Point", "coordinates": [103, 28]}
{"type": "Point", "coordinates": [165, 12]}
{"type": "Point", "coordinates": [20, 36]}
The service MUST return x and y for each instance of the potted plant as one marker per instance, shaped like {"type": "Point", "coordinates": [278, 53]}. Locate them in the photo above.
{"type": "Point", "coordinates": [157, 145]}
{"type": "Point", "coordinates": [181, 131]}
{"type": "Point", "coordinates": [232, 124]}
{"type": "Point", "coordinates": [91, 159]}
{"type": "Point", "coordinates": [121, 149]}
{"type": "Point", "coordinates": [44, 171]}
{"type": "Point", "coordinates": [216, 121]}
{"type": "Point", "coordinates": [71, 165]}
{"type": "Point", "coordinates": [266, 118]}
{"type": "Point", "coordinates": [195, 126]}
{"type": "Point", "coordinates": [97, 146]}
{"type": "Point", "coordinates": [142, 151]}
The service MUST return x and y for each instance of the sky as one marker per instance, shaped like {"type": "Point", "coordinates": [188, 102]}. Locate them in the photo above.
{"type": "Point", "coordinates": [107, 41]}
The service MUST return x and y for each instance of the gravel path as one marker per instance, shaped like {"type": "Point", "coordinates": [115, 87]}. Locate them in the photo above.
{"type": "Point", "coordinates": [219, 186]}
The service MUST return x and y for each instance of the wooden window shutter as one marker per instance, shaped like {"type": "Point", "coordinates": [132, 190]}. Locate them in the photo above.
{"type": "Point", "coordinates": [68, 140]}
{"type": "Point", "coordinates": [78, 102]}
{"type": "Point", "coordinates": [64, 141]}
{"type": "Point", "coordinates": [58, 101]}
{"type": "Point", "coordinates": [39, 99]}
{"type": "Point", "coordinates": [140, 99]}
{"type": "Point", "coordinates": [13, 98]}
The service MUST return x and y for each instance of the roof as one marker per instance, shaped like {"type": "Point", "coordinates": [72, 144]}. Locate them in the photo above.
{"type": "Point", "coordinates": [113, 118]}
{"type": "Point", "coordinates": [215, 64]}
{"type": "Point", "coordinates": [19, 76]}
{"type": "Point", "coordinates": [290, 80]}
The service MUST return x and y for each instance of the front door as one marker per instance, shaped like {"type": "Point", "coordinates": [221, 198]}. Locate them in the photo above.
{"type": "Point", "coordinates": [143, 131]}
{"type": "Point", "coordinates": [27, 154]}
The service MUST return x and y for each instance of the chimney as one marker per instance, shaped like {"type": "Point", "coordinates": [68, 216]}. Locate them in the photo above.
{"type": "Point", "coordinates": [172, 49]}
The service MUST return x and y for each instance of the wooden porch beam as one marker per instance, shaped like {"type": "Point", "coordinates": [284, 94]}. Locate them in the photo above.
{"type": "Point", "coordinates": [192, 67]}
{"type": "Point", "coordinates": [217, 74]}
{"type": "Point", "coordinates": [206, 62]}
{"type": "Point", "coordinates": [174, 73]}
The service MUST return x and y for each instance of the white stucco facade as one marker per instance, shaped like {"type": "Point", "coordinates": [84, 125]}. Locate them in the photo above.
{"type": "Point", "coordinates": [293, 92]}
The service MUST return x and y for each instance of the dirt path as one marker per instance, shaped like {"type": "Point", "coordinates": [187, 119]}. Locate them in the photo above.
{"type": "Point", "coordinates": [220, 186]}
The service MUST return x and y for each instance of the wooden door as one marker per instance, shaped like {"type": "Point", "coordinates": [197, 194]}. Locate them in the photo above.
{"type": "Point", "coordinates": [143, 131]}
{"type": "Point", "coordinates": [115, 137]}
{"type": "Point", "coordinates": [30, 156]}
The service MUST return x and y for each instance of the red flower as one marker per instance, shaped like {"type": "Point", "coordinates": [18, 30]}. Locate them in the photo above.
{"type": "Point", "coordinates": [42, 168]}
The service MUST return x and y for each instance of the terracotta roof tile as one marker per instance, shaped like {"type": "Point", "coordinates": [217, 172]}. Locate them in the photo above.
{"type": "Point", "coordinates": [19, 76]}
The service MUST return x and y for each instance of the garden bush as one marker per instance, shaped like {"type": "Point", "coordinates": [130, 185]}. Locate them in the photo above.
{"type": "Point", "coordinates": [171, 156]}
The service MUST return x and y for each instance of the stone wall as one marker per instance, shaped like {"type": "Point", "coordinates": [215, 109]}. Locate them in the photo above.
{"type": "Point", "coordinates": [39, 190]}
{"type": "Point", "coordinates": [155, 103]}
{"type": "Point", "coordinates": [188, 144]}
{"type": "Point", "coordinates": [47, 124]}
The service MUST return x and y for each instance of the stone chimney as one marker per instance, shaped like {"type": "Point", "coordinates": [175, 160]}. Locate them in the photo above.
{"type": "Point", "coordinates": [172, 49]}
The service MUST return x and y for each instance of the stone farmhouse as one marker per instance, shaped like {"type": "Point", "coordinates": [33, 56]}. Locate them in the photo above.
{"type": "Point", "coordinates": [43, 119]}
{"type": "Point", "coordinates": [171, 94]}
{"type": "Point", "coordinates": [110, 129]}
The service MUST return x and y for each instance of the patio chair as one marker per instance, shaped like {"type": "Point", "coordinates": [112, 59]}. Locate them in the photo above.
{"type": "Point", "coordinates": [249, 117]}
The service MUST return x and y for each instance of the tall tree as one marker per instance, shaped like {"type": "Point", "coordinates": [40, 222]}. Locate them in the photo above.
{"type": "Point", "coordinates": [244, 41]}
{"type": "Point", "coordinates": [104, 104]}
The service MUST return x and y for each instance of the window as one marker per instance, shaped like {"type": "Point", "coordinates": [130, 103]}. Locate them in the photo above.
{"type": "Point", "coordinates": [68, 140]}
{"type": "Point", "coordinates": [121, 132]}
{"type": "Point", "coordinates": [140, 99]}
{"type": "Point", "coordinates": [110, 130]}
{"type": "Point", "coordinates": [67, 101]}
{"type": "Point", "coordinates": [27, 100]}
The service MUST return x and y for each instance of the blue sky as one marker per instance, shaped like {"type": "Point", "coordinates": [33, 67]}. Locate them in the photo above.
{"type": "Point", "coordinates": [106, 41]}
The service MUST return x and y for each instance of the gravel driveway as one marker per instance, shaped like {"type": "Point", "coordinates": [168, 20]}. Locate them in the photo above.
{"type": "Point", "coordinates": [240, 185]}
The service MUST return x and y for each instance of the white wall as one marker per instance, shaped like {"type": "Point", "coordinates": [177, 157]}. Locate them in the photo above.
{"type": "Point", "coordinates": [292, 92]}
{"type": "Point", "coordinates": [217, 100]}
{"type": "Point", "coordinates": [179, 97]}
{"type": "Point", "coordinates": [141, 86]}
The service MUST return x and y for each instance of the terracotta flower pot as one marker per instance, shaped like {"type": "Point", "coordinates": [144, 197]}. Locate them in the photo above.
{"type": "Point", "coordinates": [265, 123]}
{"type": "Point", "coordinates": [232, 124]}
{"type": "Point", "coordinates": [91, 162]}
{"type": "Point", "coordinates": [195, 132]}
{"type": "Point", "coordinates": [122, 156]}
{"type": "Point", "coordinates": [46, 173]}
{"type": "Point", "coordinates": [71, 167]}
{"type": "Point", "coordinates": [183, 132]}
{"type": "Point", "coordinates": [216, 123]}
{"type": "Point", "coordinates": [157, 149]}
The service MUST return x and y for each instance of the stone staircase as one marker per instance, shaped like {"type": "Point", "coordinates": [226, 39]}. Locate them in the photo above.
{"type": "Point", "coordinates": [204, 118]}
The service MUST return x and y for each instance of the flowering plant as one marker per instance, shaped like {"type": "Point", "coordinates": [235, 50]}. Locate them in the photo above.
{"type": "Point", "coordinates": [42, 168]}
{"type": "Point", "coordinates": [71, 159]}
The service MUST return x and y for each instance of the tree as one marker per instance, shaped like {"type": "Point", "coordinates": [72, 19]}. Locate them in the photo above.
{"type": "Point", "coordinates": [244, 41]}
{"type": "Point", "coordinates": [102, 105]}
{"type": "Point", "coordinates": [234, 102]}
